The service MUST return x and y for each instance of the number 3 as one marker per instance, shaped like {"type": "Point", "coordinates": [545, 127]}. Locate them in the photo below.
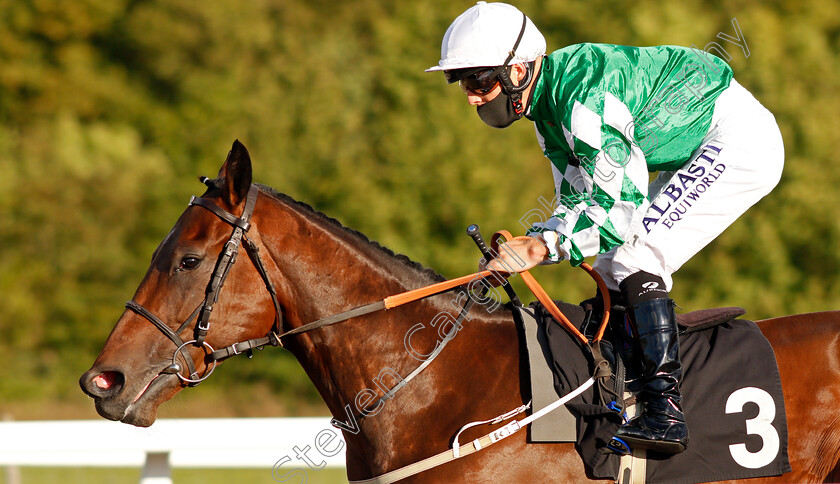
{"type": "Point", "coordinates": [761, 425]}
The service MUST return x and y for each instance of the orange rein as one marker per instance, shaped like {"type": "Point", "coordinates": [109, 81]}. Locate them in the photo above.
{"type": "Point", "coordinates": [416, 294]}
{"type": "Point", "coordinates": [533, 285]}
{"type": "Point", "coordinates": [552, 308]}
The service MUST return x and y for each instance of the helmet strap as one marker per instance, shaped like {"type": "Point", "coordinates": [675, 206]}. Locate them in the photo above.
{"type": "Point", "coordinates": [512, 52]}
{"type": "Point", "coordinates": [513, 91]}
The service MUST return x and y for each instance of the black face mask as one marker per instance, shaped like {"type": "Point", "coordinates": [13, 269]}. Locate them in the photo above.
{"type": "Point", "coordinates": [499, 112]}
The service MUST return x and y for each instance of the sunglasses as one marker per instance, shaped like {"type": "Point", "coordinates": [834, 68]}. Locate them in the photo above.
{"type": "Point", "coordinates": [482, 82]}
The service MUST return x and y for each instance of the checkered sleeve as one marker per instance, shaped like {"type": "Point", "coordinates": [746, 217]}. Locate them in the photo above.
{"type": "Point", "coordinates": [600, 184]}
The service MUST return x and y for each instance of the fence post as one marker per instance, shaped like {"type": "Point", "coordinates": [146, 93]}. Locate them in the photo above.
{"type": "Point", "coordinates": [156, 470]}
{"type": "Point", "coordinates": [12, 472]}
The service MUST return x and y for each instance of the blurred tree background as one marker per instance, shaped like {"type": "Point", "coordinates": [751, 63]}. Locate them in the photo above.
{"type": "Point", "coordinates": [109, 110]}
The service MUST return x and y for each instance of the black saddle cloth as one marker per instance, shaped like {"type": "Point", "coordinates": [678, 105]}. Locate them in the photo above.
{"type": "Point", "coordinates": [732, 397]}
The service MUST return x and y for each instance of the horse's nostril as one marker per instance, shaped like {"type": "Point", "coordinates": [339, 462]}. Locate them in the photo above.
{"type": "Point", "coordinates": [103, 384]}
{"type": "Point", "coordinates": [104, 381]}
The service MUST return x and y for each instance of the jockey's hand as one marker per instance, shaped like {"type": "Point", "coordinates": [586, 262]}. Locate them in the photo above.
{"type": "Point", "coordinates": [519, 254]}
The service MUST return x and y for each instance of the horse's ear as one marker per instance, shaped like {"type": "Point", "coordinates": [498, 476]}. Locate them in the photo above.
{"type": "Point", "coordinates": [237, 174]}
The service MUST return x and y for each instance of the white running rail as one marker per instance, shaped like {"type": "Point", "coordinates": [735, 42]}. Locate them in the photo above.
{"type": "Point", "coordinates": [195, 443]}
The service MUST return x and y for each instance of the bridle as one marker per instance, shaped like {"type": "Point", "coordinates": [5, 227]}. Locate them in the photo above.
{"type": "Point", "coordinates": [225, 261]}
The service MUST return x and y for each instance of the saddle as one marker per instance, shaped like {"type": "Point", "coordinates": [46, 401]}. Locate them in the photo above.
{"type": "Point", "coordinates": [722, 356]}
{"type": "Point", "coordinates": [696, 320]}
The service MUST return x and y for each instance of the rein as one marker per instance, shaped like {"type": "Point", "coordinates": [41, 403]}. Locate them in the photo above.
{"type": "Point", "coordinates": [552, 308]}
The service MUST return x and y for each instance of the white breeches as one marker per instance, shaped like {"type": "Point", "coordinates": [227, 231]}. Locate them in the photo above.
{"type": "Point", "coordinates": [739, 161]}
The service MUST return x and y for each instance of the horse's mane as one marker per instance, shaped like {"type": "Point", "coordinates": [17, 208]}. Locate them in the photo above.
{"type": "Point", "coordinates": [306, 208]}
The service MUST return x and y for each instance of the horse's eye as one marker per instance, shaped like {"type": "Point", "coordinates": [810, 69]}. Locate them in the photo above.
{"type": "Point", "coordinates": [189, 263]}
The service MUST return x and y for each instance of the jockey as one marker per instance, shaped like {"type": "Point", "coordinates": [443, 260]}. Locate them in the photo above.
{"type": "Point", "coordinates": [606, 116]}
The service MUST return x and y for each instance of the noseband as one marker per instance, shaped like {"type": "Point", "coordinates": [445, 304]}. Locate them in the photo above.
{"type": "Point", "coordinates": [223, 265]}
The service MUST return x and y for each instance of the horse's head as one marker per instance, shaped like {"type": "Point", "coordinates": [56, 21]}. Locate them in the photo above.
{"type": "Point", "coordinates": [180, 313]}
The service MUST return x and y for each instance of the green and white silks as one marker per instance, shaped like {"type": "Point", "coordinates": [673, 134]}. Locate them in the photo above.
{"type": "Point", "coordinates": [606, 116]}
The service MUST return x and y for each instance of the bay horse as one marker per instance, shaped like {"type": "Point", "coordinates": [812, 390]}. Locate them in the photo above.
{"type": "Point", "coordinates": [315, 268]}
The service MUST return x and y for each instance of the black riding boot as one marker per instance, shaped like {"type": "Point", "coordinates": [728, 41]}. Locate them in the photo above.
{"type": "Point", "coordinates": [661, 426]}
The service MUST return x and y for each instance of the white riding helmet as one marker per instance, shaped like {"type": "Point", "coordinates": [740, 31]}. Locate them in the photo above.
{"type": "Point", "coordinates": [485, 35]}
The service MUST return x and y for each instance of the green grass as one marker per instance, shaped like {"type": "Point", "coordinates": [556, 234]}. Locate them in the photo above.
{"type": "Point", "coordinates": [90, 475]}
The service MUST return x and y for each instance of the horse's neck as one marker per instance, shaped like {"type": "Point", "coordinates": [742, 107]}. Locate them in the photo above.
{"type": "Point", "coordinates": [328, 270]}
{"type": "Point", "coordinates": [325, 270]}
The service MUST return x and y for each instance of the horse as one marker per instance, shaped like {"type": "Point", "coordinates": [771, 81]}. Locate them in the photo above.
{"type": "Point", "coordinates": [311, 267]}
